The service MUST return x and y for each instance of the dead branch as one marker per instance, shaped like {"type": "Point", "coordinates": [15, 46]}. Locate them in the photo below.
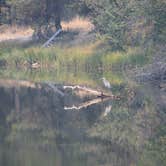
{"type": "Point", "coordinates": [86, 104]}
{"type": "Point", "coordinates": [55, 89]}
{"type": "Point", "coordinates": [89, 90]}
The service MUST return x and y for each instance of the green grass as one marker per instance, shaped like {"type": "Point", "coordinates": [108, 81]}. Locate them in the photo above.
{"type": "Point", "coordinates": [131, 57]}
{"type": "Point", "coordinates": [83, 64]}
{"type": "Point", "coordinates": [53, 57]}
{"type": "Point", "coordinates": [76, 56]}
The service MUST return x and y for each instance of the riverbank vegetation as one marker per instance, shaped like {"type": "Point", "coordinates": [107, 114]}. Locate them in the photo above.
{"type": "Point", "coordinates": [114, 39]}
{"type": "Point", "coordinates": [128, 33]}
{"type": "Point", "coordinates": [88, 58]}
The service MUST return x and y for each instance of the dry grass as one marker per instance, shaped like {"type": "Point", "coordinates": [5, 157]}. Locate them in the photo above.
{"type": "Point", "coordinates": [17, 32]}
{"type": "Point", "coordinates": [14, 32]}
{"type": "Point", "coordinates": [78, 23]}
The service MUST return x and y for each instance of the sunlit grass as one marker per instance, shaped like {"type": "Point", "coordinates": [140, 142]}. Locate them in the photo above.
{"type": "Point", "coordinates": [78, 23]}
{"type": "Point", "coordinates": [76, 55]}
{"type": "Point", "coordinates": [21, 32]}
{"type": "Point", "coordinates": [53, 57]}
{"type": "Point", "coordinates": [114, 78]}
{"type": "Point", "coordinates": [72, 65]}
{"type": "Point", "coordinates": [131, 57]}
{"type": "Point", "coordinates": [14, 32]}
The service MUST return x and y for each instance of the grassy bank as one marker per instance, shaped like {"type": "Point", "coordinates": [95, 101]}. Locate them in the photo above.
{"type": "Point", "coordinates": [86, 56]}
{"type": "Point", "coordinates": [82, 64]}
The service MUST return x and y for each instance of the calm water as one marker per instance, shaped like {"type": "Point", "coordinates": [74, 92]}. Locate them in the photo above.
{"type": "Point", "coordinates": [41, 127]}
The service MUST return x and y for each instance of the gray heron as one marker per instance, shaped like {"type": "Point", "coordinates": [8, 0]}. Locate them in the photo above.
{"type": "Point", "coordinates": [106, 83]}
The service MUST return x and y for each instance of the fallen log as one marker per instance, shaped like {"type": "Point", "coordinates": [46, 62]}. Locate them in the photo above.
{"type": "Point", "coordinates": [55, 89]}
{"type": "Point", "coordinates": [90, 91]}
{"type": "Point", "coordinates": [85, 104]}
{"type": "Point", "coordinates": [46, 44]}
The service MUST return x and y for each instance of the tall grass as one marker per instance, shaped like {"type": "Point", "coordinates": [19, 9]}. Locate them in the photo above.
{"type": "Point", "coordinates": [68, 63]}
{"type": "Point", "coordinates": [54, 57]}
{"type": "Point", "coordinates": [130, 58]}
{"type": "Point", "coordinates": [75, 56]}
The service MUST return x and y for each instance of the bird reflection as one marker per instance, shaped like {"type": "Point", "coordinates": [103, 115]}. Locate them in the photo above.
{"type": "Point", "coordinates": [107, 110]}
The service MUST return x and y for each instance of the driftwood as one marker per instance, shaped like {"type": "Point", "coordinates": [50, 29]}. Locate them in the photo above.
{"type": "Point", "coordinates": [55, 89]}
{"type": "Point", "coordinates": [48, 42]}
{"type": "Point", "coordinates": [99, 97]}
{"type": "Point", "coordinates": [90, 91]}
{"type": "Point", "coordinates": [85, 90]}
{"type": "Point", "coordinates": [86, 104]}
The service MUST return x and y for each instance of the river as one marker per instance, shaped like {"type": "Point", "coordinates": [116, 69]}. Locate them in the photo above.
{"type": "Point", "coordinates": [41, 127]}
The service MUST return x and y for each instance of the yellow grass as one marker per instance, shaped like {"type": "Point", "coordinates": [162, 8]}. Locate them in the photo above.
{"type": "Point", "coordinates": [14, 32]}
{"type": "Point", "coordinates": [78, 23]}
{"type": "Point", "coordinates": [17, 32]}
{"type": "Point", "coordinates": [84, 50]}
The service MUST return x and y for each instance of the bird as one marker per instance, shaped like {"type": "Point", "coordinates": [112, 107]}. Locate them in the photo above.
{"type": "Point", "coordinates": [106, 83]}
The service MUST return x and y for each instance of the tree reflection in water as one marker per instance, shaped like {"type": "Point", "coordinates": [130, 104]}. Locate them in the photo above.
{"type": "Point", "coordinates": [36, 130]}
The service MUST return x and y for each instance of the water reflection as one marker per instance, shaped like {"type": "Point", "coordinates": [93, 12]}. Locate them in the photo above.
{"type": "Point", "coordinates": [39, 127]}
{"type": "Point", "coordinates": [107, 110]}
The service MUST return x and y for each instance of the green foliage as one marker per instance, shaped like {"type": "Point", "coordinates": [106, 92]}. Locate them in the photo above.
{"type": "Point", "coordinates": [109, 19]}
{"type": "Point", "coordinates": [158, 13]}
{"type": "Point", "coordinates": [129, 22]}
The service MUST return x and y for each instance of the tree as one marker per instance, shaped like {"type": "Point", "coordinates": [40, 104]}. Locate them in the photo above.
{"type": "Point", "coordinates": [4, 12]}
{"type": "Point", "coordinates": [158, 15]}
{"type": "Point", "coordinates": [42, 15]}
{"type": "Point", "coordinates": [119, 21]}
{"type": "Point", "coordinates": [110, 19]}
